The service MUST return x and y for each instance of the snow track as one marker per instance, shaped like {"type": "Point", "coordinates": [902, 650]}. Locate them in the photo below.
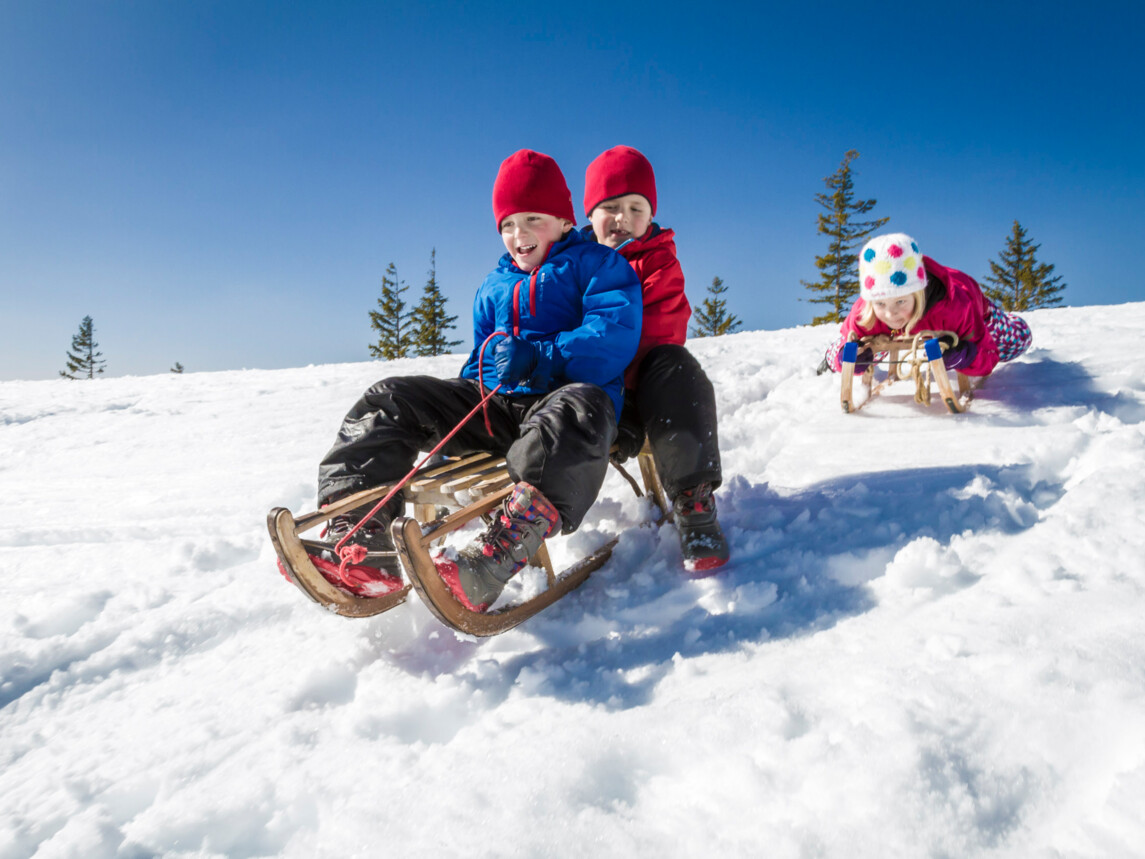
{"type": "Point", "coordinates": [930, 640]}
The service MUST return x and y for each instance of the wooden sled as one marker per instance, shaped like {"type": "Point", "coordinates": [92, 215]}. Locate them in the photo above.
{"type": "Point", "coordinates": [432, 498]}
{"type": "Point", "coordinates": [918, 358]}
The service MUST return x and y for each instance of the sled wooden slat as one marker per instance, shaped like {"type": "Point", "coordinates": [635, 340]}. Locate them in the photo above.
{"type": "Point", "coordinates": [942, 382]}
{"type": "Point", "coordinates": [967, 386]}
{"type": "Point", "coordinates": [847, 387]}
{"type": "Point", "coordinates": [343, 505]}
{"type": "Point", "coordinates": [468, 468]}
{"type": "Point", "coordinates": [541, 559]}
{"type": "Point", "coordinates": [471, 480]}
{"type": "Point", "coordinates": [452, 466]}
{"type": "Point", "coordinates": [652, 484]}
{"type": "Point", "coordinates": [490, 483]}
{"type": "Point", "coordinates": [440, 527]}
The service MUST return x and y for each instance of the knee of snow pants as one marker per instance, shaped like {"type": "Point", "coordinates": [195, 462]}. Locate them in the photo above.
{"type": "Point", "coordinates": [395, 419]}
{"type": "Point", "coordinates": [1011, 332]}
{"type": "Point", "coordinates": [563, 449]}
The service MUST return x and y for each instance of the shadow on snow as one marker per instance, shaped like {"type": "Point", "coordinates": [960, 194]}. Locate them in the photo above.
{"type": "Point", "coordinates": [1046, 383]}
{"type": "Point", "coordinates": [800, 563]}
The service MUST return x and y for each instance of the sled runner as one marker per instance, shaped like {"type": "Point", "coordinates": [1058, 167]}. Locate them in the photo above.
{"type": "Point", "coordinates": [413, 542]}
{"type": "Point", "coordinates": [918, 358]}
{"type": "Point", "coordinates": [442, 498]}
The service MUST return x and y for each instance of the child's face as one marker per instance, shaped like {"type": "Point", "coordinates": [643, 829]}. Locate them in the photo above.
{"type": "Point", "coordinates": [528, 236]}
{"type": "Point", "coordinates": [619, 219]}
{"type": "Point", "coordinates": [894, 312]}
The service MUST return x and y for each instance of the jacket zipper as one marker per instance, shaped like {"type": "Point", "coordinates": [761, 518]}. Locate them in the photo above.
{"type": "Point", "coordinates": [516, 310]}
{"type": "Point", "coordinates": [532, 295]}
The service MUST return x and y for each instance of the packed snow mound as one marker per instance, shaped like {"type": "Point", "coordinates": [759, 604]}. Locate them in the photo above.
{"type": "Point", "coordinates": [930, 639]}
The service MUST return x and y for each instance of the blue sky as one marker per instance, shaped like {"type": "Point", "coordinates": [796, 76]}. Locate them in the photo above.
{"type": "Point", "coordinates": [223, 183]}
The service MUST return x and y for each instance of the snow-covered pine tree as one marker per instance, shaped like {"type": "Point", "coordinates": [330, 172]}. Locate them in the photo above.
{"type": "Point", "coordinates": [391, 320]}
{"type": "Point", "coordinates": [713, 319]}
{"type": "Point", "coordinates": [1020, 282]}
{"type": "Point", "coordinates": [429, 318]}
{"type": "Point", "coordinates": [84, 362]}
{"type": "Point", "coordinates": [840, 265]}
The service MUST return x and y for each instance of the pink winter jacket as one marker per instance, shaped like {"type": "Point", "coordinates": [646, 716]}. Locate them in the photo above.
{"type": "Point", "coordinates": [962, 310]}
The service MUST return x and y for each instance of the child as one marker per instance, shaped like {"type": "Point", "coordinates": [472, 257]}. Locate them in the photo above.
{"type": "Point", "coordinates": [667, 395]}
{"type": "Point", "coordinates": [902, 292]}
{"type": "Point", "coordinates": [571, 310]}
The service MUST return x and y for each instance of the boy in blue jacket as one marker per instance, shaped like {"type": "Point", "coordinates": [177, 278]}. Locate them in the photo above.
{"type": "Point", "coordinates": [570, 312]}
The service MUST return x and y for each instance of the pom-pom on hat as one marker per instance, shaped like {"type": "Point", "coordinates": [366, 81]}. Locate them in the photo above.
{"type": "Point", "coordinates": [890, 266]}
{"type": "Point", "coordinates": [618, 171]}
{"type": "Point", "coordinates": [531, 181]}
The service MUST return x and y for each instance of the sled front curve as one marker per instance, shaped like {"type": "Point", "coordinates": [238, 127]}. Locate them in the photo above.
{"type": "Point", "coordinates": [305, 576]}
{"type": "Point", "coordinates": [413, 548]}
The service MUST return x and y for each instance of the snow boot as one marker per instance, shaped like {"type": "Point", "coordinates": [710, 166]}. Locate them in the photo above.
{"type": "Point", "coordinates": [701, 539]}
{"type": "Point", "coordinates": [374, 533]}
{"type": "Point", "coordinates": [372, 574]}
{"type": "Point", "coordinates": [478, 575]}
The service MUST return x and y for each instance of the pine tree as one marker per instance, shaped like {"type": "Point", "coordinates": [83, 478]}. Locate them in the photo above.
{"type": "Point", "coordinates": [1020, 281]}
{"type": "Point", "coordinates": [391, 320]}
{"type": "Point", "coordinates": [84, 362]}
{"type": "Point", "coordinates": [840, 265]}
{"type": "Point", "coordinates": [713, 319]}
{"type": "Point", "coordinates": [429, 319]}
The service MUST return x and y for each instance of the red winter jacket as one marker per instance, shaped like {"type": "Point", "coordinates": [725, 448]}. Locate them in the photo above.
{"type": "Point", "coordinates": [962, 310]}
{"type": "Point", "coordinates": [666, 308]}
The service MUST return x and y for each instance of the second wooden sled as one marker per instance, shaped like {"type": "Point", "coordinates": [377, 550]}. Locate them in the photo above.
{"type": "Point", "coordinates": [904, 352]}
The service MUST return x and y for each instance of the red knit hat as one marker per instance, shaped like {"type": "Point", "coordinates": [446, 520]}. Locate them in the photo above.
{"type": "Point", "coordinates": [619, 171]}
{"type": "Point", "coordinates": [530, 181]}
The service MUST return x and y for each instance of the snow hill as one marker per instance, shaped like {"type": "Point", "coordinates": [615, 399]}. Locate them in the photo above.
{"type": "Point", "coordinates": [930, 642]}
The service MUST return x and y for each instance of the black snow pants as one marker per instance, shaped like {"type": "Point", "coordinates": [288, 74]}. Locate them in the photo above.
{"type": "Point", "coordinates": [558, 442]}
{"type": "Point", "coordinates": [675, 405]}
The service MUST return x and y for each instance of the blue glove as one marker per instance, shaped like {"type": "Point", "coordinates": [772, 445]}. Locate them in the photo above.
{"type": "Point", "coordinates": [957, 357]}
{"type": "Point", "coordinates": [863, 356]}
{"type": "Point", "coordinates": [515, 358]}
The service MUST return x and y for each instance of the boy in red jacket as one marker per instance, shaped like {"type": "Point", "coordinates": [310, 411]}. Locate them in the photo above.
{"type": "Point", "coordinates": [667, 394]}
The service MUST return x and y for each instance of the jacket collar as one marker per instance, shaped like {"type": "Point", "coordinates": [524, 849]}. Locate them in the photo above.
{"type": "Point", "coordinates": [653, 237]}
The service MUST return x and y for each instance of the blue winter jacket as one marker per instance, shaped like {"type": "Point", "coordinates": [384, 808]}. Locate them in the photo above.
{"type": "Point", "coordinates": [582, 307]}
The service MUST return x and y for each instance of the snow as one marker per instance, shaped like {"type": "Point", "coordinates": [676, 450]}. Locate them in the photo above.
{"type": "Point", "coordinates": [930, 640]}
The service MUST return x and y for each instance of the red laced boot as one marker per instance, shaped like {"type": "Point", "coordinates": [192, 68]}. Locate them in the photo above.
{"type": "Point", "coordinates": [478, 575]}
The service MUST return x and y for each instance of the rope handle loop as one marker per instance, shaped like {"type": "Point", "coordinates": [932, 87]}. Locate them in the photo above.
{"type": "Point", "coordinates": [481, 378]}
{"type": "Point", "coordinates": [912, 366]}
{"type": "Point", "coordinates": [354, 553]}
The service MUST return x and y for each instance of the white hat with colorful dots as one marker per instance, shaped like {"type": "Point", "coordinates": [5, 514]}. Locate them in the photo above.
{"type": "Point", "coordinates": [890, 266]}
